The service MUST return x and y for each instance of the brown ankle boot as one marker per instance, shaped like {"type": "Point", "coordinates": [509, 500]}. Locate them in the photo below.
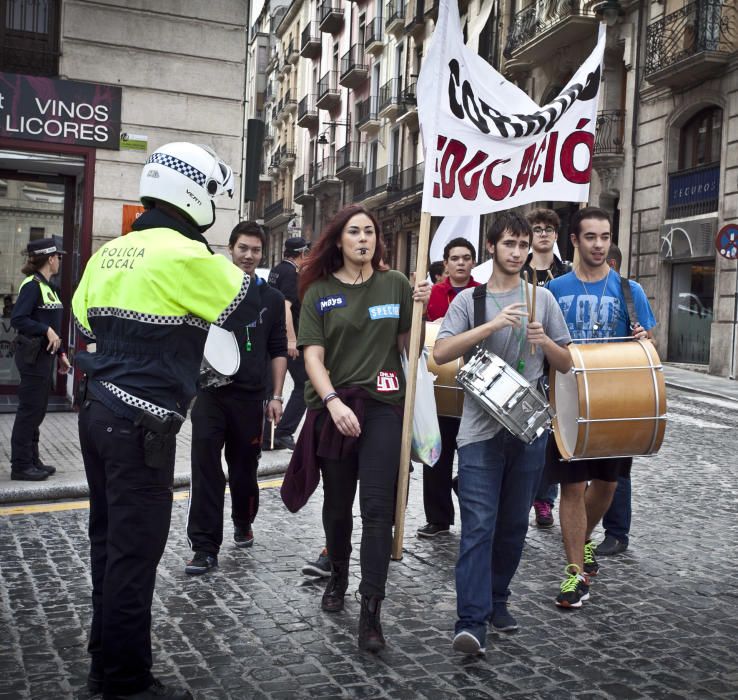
{"type": "Point", "coordinates": [332, 600]}
{"type": "Point", "coordinates": [370, 628]}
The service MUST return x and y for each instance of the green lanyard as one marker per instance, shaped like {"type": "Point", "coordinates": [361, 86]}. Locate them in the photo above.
{"type": "Point", "coordinates": [521, 337]}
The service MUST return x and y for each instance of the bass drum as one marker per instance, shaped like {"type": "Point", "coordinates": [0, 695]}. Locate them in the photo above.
{"type": "Point", "coordinates": [612, 403]}
{"type": "Point", "coordinates": [449, 395]}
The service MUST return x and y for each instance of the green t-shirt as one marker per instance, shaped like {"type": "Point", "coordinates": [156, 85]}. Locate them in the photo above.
{"type": "Point", "coordinates": [358, 325]}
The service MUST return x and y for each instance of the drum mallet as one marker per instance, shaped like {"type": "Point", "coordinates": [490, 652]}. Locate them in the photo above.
{"type": "Point", "coordinates": [272, 441]}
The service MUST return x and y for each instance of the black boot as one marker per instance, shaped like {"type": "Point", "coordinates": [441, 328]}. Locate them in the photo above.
{"type": "Point", "coordinates": [335, 591]}
{"type": "Point", "coordinates": [370, 628]}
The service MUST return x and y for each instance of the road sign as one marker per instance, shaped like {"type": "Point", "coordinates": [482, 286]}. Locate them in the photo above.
{"type": "Point", "coordinates": [726, 241]}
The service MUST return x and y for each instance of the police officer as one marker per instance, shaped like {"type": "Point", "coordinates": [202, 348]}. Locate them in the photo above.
{"type": "Point", "coordinates": [231, 416]}
{"type": "Point", "coordinates": [146, 300]}
{"type": "Point", "coordinates": [37, 317]}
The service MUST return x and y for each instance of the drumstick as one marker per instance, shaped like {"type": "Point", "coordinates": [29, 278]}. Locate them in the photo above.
{"type": "Point", "coordinates": [533, 304]}
{"type": "Point", "coordinates": [272, 442]}
{"type": "Point", "coordinates": [527, 292]}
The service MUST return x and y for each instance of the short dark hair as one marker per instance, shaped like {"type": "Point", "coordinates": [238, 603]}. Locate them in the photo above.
{"type": "Point", "coordinates": [436, 269]}
{"type": "Point", "coordinates": [587, 213]}
{"type": "Point", "coordinates": [544, 216]}
{"type": "Point", "coordinates": [508, 220]}
{"type": "Point", "coordinates": [616, 256]}
{"type": "Point", "coordinates": [247, 228]}
{"type": "Point", "coordinates": [459, 243]}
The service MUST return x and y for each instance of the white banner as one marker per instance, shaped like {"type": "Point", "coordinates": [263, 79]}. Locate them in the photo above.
{"type": "Point", "coordinates": [454, 227]}
{"type": "Point", "coordinates": [489, 147]}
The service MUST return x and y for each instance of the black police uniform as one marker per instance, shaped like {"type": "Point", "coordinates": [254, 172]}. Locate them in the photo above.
{"type": "Point", "coordinates": [37, 308]}
{"type": "Point", "coordinates": [284, 277]}
{"type": "Point", "coordinates": [232, 416]}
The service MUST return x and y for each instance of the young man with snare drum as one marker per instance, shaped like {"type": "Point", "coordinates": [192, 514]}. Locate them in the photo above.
{"type": "Point", "coordinates": [498, 473]}
{"type": "Point", "coordinates": [592, 301]}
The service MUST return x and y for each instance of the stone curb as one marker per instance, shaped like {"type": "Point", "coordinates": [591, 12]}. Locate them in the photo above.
{"type": "Point", "coordinates": [78, 489]}
{"type": "Point", "coordinates": [695, 390]}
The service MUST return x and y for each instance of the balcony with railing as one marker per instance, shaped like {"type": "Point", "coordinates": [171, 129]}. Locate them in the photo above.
{"type": "Point", "coordinates": [330, 16]}
{"type": "Point", "coordinates": [310, 43]}
{"type": "Point", "coordinates": [691, 44]}
{"type": "Point", "coordinates": [278, 212]}
{"type": "Point", "coordinates": [289, 103]}
{"type": "Point", "coordinates": [609, 138]}
{"type": "Point", "coordinates": [541, 29]}
{"type": "Point", "coordinates": [354, 67]}
{"type": "Point", "coordinates": [287, 155]}
{"type": "Point", "coordinates": [394, 13]}
{"type": "Point", "coordinates": [348, 161]}
{"type": "Point", "coordinates": [415, 17]}
{"type": "Point", "coordinates": [329, 96]}
{"type": "Point", "coordinates": [273, 168]}
{"type": "Point", "coordinates": [694, 191]}
{"type": "Point", "coordinates": [272, 61]}
{"type": "Point", "coordinates": [390, 98]}
{"type": "Point", "coordinates": [406, 183]}
{"type": "Point", "coordinates": [408, 112]}
{"type": "Point", "coordinates": [374, 37]}
{"type": "Point", "coordinates": [307, 113]}
{"type": "Point", "coordinates": [292, 54]}
{"type": "Point", "coordinates": [367, 115]}
{"type": "Point", "coordinates": [322, 177]}
{"type": "Point", "coordinates": [301, 195]}
{"type": "Point", "coordinates": [372, 186]}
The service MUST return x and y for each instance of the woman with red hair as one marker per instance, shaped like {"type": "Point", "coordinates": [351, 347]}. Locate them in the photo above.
{"type": "Point", "coordinates": [355, 323]}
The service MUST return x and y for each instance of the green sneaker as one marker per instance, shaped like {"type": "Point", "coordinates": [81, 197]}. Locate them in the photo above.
{"type": "Point", "coordinates": [574, 589]}
{"type": "Point", "coordinates": [591, 567]}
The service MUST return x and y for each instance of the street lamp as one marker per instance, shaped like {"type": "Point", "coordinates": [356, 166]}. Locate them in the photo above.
{"type": "Point", "coordinates": [322, 140]}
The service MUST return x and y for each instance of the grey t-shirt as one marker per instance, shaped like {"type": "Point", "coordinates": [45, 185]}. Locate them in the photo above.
{"type": "Point", "coordinates": [476, 423]}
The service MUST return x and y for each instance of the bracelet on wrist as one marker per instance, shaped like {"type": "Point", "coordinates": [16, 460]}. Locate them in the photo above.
{"type": "Point", "coordinates": [277, 398]}
{"type": "Point", "coordinates": [329, 397]}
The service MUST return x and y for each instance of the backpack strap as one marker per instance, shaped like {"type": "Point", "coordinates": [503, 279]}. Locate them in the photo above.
{"type": "Point", "coordinates": [628, 296]}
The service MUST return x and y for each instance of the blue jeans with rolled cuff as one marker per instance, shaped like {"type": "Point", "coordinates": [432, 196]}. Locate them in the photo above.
{"type": "Point", "coordinates": [498, 479]}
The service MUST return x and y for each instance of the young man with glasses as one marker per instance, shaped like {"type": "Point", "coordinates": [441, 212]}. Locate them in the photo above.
{"type": "Point", "coordinates": [545, 226]}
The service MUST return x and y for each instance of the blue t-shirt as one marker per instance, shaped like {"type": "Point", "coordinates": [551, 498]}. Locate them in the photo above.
{"type": "Point", "coordinates": [597, 309]}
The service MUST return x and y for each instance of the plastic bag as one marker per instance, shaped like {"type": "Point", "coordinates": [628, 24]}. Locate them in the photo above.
{"type": "Point", "coordinates": [426, 443]}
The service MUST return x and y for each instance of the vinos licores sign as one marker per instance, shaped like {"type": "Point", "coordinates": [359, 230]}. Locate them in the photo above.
{"type": "Point", "coordinates": [59, 111]}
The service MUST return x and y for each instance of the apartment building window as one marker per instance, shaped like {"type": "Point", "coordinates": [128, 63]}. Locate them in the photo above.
{"type": "Point", "coordinates": [29, 37]}
{"type": "Point", "coordinates": [700, 139]}
{"type": "Point", "coordinates": [489, 38]}
{"type": "Point", "coordinates": [362, 31]}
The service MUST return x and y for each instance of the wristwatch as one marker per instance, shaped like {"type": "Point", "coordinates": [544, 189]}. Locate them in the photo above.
{"type": "Point", "coordinates": [277, 398]}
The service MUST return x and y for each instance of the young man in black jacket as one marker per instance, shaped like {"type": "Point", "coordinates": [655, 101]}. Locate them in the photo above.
{"type": "Point", "coordinates": [232, 415]}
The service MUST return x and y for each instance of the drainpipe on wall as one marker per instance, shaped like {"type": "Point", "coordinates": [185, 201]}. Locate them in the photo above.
{"type": "Point", "coordinates": [735, 323]}
{"type": "Point", "coordinates": [633, 136]}
{"type": "Point", "coordinates": [242, 189]}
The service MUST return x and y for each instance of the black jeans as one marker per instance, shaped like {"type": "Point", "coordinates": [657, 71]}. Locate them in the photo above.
{"type": "Point", "coordinates": [33, 399]}
{"type": "Point", "coordinates": [130, 510]}
{"type": "Point", "coordinates": [223, 417]}
{"type": "Point", "coordinates": [375, 467]}
{"type": "Point", "coordinates": [439, 507]}
{"type": "Point", "coordinates": [295, 407]}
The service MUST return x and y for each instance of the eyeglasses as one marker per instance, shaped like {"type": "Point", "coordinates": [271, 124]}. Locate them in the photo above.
{"type": "Point", "coordinates": [539, 230]}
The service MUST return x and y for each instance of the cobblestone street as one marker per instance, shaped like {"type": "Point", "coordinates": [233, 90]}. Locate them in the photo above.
{"type": "Point", "coordinates": [661, 622]}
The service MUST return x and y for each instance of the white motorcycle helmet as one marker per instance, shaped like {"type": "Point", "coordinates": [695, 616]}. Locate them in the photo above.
{"type": "Point", "coordinates": [188, 176]}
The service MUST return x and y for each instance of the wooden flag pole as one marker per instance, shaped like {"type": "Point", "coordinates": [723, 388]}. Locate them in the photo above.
{"type": "Point", "coordinates": [421, 270]}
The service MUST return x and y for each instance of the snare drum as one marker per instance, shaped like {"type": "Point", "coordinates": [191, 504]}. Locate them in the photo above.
{"type": "Point", "coordinates": [506, 395]}
{"type": "Point", "coordinates": [449, 396]}
{"type": "Point", "coordinates": [612, 403]}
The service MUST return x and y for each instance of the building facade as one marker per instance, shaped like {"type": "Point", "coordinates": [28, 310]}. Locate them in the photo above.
{"type": "Point", "coordinates": [87, 91]}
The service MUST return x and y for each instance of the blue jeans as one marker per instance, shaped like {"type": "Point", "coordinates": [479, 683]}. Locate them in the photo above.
{"type": "Point", "coordinates": [617, 519]}
{"type": "Point", "coordinates": [497, 481]}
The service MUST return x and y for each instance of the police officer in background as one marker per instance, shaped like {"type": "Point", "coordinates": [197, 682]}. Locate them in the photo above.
{"type": "Point", "coordinates": [232, 415]}
{"type": "Point", "coordinates": [146, 300]}
{"type": "Point", "coordinates": [284, 277]}
{"type": "Point", "coordinates": [37, 318]}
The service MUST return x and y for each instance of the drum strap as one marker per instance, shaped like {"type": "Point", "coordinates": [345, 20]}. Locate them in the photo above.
{"type": "Point", "coordinates": [628, 296]}
{"type": "Point", "coordinates": [479, 295]}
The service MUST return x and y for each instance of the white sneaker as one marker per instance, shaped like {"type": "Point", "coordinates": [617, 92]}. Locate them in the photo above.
{"type": "Point", "coordinates": [466, 643]}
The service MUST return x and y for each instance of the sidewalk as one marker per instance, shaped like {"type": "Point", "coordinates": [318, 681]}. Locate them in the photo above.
{"type": "Point", "coordinates": [60, 446]}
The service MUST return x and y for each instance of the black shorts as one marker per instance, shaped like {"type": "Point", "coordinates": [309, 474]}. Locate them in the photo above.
{"type": "Point", "coordinates": [559, 471]}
